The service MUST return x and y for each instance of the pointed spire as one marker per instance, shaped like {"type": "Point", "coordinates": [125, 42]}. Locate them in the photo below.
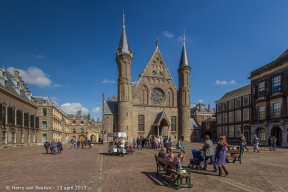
{"type": "Point", "coordinates": [123, 47]}
{"type": "Point", "coordinates": [184, 59]}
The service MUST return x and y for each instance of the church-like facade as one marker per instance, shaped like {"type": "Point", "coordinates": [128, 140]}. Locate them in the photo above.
{"type": "Point", "coordinates": [152, 105]}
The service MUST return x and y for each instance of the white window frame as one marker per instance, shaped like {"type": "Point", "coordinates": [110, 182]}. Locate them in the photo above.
{"type": "Point", "coordinates": [245, 119]}
{"type": "Point", "coordinates": [225, 118]}
{"type": "Point", "coordinates": [261, 109]}
{"type": "Point", "coordinates": [225, 131]}
{"type": "Point", "coordinates": [231, 130]}
{"type": "Point", "coordinates": [238, 116]}
{"type": "Point", "coordinates": [219, 131]}
{"type": "Point", "coordinates": [237, 131]}
{"type": "Point", "coordinates": [261, 89]}
{"type": "Point", "coordinates": [237, 99]}
{"type": "Point", "coordinates": [218, 107]}
{"type": "Point", "coordinates": [231, 104]}
{"type": "Point", "coordinates": [224, 106]}
{"type": "Point", "coordinates": [278, 107]}
{"type": "Point", "coordinates": [278, 83]}
{"type": "Point", "coordinates": [219, 119]}
{"type": "Point", "coordinates": [246, 96]}
{"type": "Point", "coordinates": [231, 114]}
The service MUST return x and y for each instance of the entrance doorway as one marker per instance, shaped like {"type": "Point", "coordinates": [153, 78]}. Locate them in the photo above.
{"type": "Point", "coordinates": [277, 132]}
{"type": "Point", "coordinates": [44, 138]}
{"type": "Point", "coordinates": [93, 138]}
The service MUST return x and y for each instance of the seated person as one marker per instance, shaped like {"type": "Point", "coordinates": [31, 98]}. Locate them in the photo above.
{"type": "Point", "coordinates": [178, 160]}
{"type": "Point", "coordinates": [162, 153]}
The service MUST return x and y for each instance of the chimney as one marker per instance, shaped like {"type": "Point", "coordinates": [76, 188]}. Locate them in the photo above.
{"type": "Point", "coordinates": [16, 73]}
{"type": "Point", "coordinates": [209, 107]}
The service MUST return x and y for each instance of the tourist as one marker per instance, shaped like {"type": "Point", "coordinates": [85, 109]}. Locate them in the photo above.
{"type": "Point", "coordinates": [256, 143]}
{"type": "Point", "coordinates": [82, 143]}
{"type": "Point", "coordinates": [59, 147]}
{"type": "Point", "coordinates": [47, 145]}
{"type": "Point", "coordinates": [220, 157]}
{"type": "Point", "coordinates": [162, 153]}
{"type": "Point", "coordinates": [89, 143]}
{"type": "Point", "coordinates": [53, 145]}
{"type": "Point", "coordinates": [274, 141]}
{"type": "Point", "coordinates": [155, 143]}
{"type": "Point", "coordinates": [208, 152]}
{"type": "Point", "coordinates": [78, 144]}
{"type": "Point", "coordinates": [180, 146]}
{"type": "Point", "coordinates": [143, 142]}
{"type": "Point", "coordinates": [178, 160]}
{"type": "Point", "coordinates": [72, 143]}
{"type": "Point", "coordinates": [139, 143]}
{"type": "Point", "coordinates": [159, 142]}
{"type": "Point", "coordinates": [245, 144]}
{"type": "Point", "coordinates": [242, 144]}
{"type": "Point", "coordinates": [270, 142]}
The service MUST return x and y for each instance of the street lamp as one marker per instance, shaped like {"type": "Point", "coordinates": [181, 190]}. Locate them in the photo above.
{"type": "Point", "coordinates": [265, 124]}
{"type": "Point", "coordinates": [282, 123]}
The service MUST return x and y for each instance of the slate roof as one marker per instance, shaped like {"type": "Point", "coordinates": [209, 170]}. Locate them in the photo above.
{"type": "Point", "coordinates": [40, 100]}
{"type": "Point", "coordinates": [159, 117]}
{"type": "Point", "coordinates": [203, 109]}
{"type": "Point", "coordinates": [10, 87]}
{"type": "Point", "coordinates": [110, 108]}
{"type": "Point", "coordinates": [281, 59]}
{"type": "Point", "coordinates": [124, 47]}
{"type": "Point", "coordinates": [184, 58]}
{"type": "Point", "coordinates": [194, 124]}
{"type": "Point", "coordinates": [246, 88]}
{"type": "Point", "coordinates": [77, 116]}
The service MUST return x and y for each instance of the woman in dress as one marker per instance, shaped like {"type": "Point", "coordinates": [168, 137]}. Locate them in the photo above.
{"type": "Point", "coordinates": [220, 157]}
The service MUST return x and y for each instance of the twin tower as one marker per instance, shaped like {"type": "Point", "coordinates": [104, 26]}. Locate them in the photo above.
{"type": "Point", "coordinates": [138, 113]}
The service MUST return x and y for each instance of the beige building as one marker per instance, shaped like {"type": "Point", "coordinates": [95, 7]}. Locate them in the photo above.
{"type": "Point", "coordinates": [152, 105]}
{"type": "Point", "coordinates": [56, 124]}
{"type": "Point", "coordinates": [18, 112]}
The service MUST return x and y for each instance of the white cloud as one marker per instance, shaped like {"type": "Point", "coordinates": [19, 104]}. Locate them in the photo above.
{"type": "Point", "coordinates": [57, 85]}
{"type": "Point", "coordinates": [167, 34]}
{"type": "Point", "coordinates": [72, 108]}
{"type": "Point", "coordinates": [33, 76]}
{"type": "Point", "coordinates": [38, 56]}
{"type": "Point", "coordinates": [218, 82]}
{"type": "Point", "coordinates": [107, 81]}
{"type": "Point", "coordinates": [180, 38]}
{"type": "Point", "coordinates": [96, 110]}
{"type": "Point", "coordinates": [54, 98]}
{"type": "Point", "coordinates": [200, 101]}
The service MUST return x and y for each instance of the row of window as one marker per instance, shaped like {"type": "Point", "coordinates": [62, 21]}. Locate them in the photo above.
{"type": "Point", "coordinates": [74, 122]}
{"type": "Point", "coordinates": [10, 137]}
{"type": "Point", "coordinates": [229, 117]}
{"type": "Point", "coordinates": [74, 131]}
{"type": "Point", "coordinates": [234, 103]}
{"type": "Point", "coordinates": [276, 86]}
{"type": "Point", "coordinates": [141, 123]}
{"type": "Point", "coordinates": [276, 111]}
{"type": "Point", "coordinates": [230, 131]}
{"type": "Point", "coordinates": [17, 117]}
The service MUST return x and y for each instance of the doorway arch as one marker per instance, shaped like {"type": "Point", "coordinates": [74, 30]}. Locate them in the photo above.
{"type": "Point", "coordinates": [276, 132]}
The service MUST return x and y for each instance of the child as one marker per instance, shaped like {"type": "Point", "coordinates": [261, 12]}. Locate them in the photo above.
{"type": "Point", "coordinates": [178, 160]}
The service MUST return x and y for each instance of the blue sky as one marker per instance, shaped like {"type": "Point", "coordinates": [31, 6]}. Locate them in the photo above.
{"type": "Point", "coordinates": [66, 49]}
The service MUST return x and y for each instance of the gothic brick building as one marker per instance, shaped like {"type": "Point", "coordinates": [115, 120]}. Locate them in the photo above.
{"type": "Point", "coordinates": [153, 105]}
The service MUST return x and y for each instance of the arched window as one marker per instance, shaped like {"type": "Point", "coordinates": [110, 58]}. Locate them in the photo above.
{"type": "Point", "coordinates": [74, 130]}
{"type": "Point", "coordinates": [82, 130]}
{"type": "Point", "coordinates": [262, 134]}
{"type": "Point", "coordinates": [82, 123]}
{"type": "Point", "coordinates": [74, 122]}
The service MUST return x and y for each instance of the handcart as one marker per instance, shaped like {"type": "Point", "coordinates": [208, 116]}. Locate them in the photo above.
{"type": "Point", "coordinates": [116, 147]}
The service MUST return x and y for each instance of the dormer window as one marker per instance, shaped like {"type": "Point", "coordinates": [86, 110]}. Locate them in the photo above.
{"type": "Point", "coordinates": [4, 73]}
{"type": "Point", "coordinates": [74, 122]}
{"type": "Point", "coordinates": [44, 101]}
{"type": "Point", "coordinates": [6, 83]}
{"type": "Point", "coordinates": [18, 84]}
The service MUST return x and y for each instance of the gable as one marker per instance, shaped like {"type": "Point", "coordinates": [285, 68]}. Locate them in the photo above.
{"type": "Point", "coordinates": [155, 76]}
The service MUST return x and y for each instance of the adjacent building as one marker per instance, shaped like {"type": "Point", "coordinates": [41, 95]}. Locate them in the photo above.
{"type": "Point", "coordinates": [19, 123]}
{"type": "Point", "coordinates": [269, 103]}
{"type": "Point", "coordinates": [233, 114]}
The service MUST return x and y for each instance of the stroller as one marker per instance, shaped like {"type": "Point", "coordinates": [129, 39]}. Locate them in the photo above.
{"type": "Point", "coordinates": [167, 145]}
{"type": "Point", "coordinates": [197, 159]}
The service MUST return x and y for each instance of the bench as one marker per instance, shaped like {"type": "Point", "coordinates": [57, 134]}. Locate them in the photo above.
{"type": "Point", "coordinates": [235, 155]}
{"type": "Point", "coordinates": [172, 169]}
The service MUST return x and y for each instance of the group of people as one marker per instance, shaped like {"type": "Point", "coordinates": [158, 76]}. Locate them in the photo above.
{"type": "Point", "coordinates": [53, 146]}
{"type": "Point", "coordinates": [83, 143]}
{"type": "Point", "coordinates": [272, 143]}
{"type": "Point", "coordinates": [148, 142]}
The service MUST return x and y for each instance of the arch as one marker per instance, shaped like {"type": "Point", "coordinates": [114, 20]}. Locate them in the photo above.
{"type": "Point", "coordinates": [74, 130]}
{"type": "Point", "coordinates": [170, 97]}
{"type": "Point", "coordinates": [276, 132]}
{"type": "Point", "coordinates": [82, 131]}
{"type": "Point", "coordinates": [144, 98]}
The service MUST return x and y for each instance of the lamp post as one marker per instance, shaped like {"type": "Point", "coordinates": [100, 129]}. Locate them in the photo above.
{"type": "Point", "coordinates": [265, 124]}
{"type": "Point", "coordinates": [282, 123]}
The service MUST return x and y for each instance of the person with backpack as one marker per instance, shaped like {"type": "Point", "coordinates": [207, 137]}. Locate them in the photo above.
{"type": "Point", "coordinates": [47, 145]}
{"type": "Point", "coordinates": [256, 142]}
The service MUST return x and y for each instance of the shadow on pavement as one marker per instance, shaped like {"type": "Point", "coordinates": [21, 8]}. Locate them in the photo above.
{"type": "Point", "coordinates": [161, 179]}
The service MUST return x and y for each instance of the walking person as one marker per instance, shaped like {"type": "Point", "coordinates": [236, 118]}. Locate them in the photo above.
{"type": "Point", "coordinates": [155, 143]}
{"type": "Point", "coordinates": [72, 143]}
{"type": "Point", "coordinates": [274, 141]}
{"type": "Point", "coordinates": [59, 147]}
{"type": "Point", "coordinates": [208, 152]}
{"type": "Point", "coordinates": [139, 143]}
{"type": "Point", "coordinates": [85, 142]}
{"type": "Point", "coordinates": [53, 145]}
{"type": "Point", "coordinates": [270, 142]}
{"type": "Point", "coordinates": [220, 157]}
{"type": "Point", "coordinates": [256, 143]}
{"type": "Point", "coordinates": [242, 144]}
{"type": "Point", "coordinates": [245, 144]}
{"type": "Point", "coordinates": [82, 143]}
{"type": "Point", "coordinates": [47, 146]}
{"type": "Point", "coordinates": [78, 144]}
{"type": "Point", "coordinates": [89, 143]}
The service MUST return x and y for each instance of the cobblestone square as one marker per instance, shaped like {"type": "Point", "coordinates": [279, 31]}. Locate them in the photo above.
{"type": "Point", "coordinates": [30, 169]}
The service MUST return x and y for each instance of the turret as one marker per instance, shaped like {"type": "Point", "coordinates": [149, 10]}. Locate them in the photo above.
{"type": "Point", "coordinates": [124, 63]}
{"type": "Point", "coordinates": [184, 95]}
